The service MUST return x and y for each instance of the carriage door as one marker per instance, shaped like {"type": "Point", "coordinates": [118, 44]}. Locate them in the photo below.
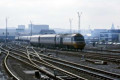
{"type": "Point", "coordinates": [61, 41]}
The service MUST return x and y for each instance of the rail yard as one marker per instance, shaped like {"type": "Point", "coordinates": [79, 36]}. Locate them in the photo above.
{"type": "Point", "coordinates": [60, 40]}
{"type": "Point", "coordinates": [57, 57]}
{"type": "Point", "coordinates": [21, 61]}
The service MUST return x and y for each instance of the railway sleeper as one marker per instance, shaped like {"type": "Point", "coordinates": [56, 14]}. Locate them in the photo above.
{"type": "Point", "coordinates": [104, 58]}
{"type": "Point", "coordinates": [97, 61]}
{"type": "Point", "coordinates": [68, 78]}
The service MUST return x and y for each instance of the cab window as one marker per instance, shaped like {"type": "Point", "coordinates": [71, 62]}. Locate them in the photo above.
{"type": "Point", "coordinates": [76, 38]}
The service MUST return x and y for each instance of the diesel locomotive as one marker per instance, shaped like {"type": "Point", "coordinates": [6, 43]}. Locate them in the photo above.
{"type": "Point", "coordinates": [69, 41]}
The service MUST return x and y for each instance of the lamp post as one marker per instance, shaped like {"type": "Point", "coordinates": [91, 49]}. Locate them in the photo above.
{"type": "Point", "coordinates": [31, 30]}
{"type": "Point", "coordinates": [31, 27]}
{"type": "Point", "coordinates": [6, 31]}
{"type": "Point", "coordinates": [79, 15]}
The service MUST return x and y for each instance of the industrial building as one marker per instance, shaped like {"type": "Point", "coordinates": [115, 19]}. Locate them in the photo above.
{"type": "Point", "coordinates": [10, 34]}
{"type": "Point", "coordinates": [47, 32]}
{"type": "Point", "coordinates": [21, 27]}
{"type": "Point", "coordinates": [110, 36]}
{"type": "Point", "coordinates": [94, 36]}
{"type": "Point", "coordinates": [21, 31]}
{"type": "Point", "coordinates": [37, 28]}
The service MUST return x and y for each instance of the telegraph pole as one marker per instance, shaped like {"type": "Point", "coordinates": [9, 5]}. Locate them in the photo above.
{"type": "Point", "coordinates": [31, 27]}
{"type": "Point", "coordinates": [6, 31]}
{"type": "Point", "coordinates": [79, 15]}
{"type": "Point", "coordinates": [70, 20]}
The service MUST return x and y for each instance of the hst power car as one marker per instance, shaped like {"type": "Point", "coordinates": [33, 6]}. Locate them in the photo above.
{"type": "Point", "coordinates": [70, 41]}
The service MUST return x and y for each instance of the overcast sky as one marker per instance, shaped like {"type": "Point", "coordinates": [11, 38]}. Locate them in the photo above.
{"type": "Point", "coordinates": [56, 13]}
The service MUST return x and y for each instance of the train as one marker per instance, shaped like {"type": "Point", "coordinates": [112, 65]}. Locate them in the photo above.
{"type": "Point", "coordinates": [68, 41]}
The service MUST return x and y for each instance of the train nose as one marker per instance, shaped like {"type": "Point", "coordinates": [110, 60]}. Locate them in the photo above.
{"type": "Point", "coordinates": [79, 45]}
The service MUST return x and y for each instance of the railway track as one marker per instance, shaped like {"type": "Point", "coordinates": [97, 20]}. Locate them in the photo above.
{"type": "Point", "coordinates": [107, 55]}
{"type": "Point", "coordinates": [26, 61]}
{"type": "Point", "coordinates": [110, 58]}
{"type": "Point", "coordinates": [81, 66]}
{"type": "Point", "coordinates": [14, 77]}
{"type": "Point", "coordinates": [54, 67]}
{"type": "Point", "coordinates": [85, 69]}
{"type": "Point", "coordinates": [68, 73]}
{"type": "Point", "coordinates": [88, 49]}
{"type": "Point", "coordinates": [92, 55]}
{"type": "Point", "coordinates": [99, 49]}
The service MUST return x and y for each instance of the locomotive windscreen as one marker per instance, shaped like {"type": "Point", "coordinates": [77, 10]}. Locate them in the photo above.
{"type": "Point", "coordinates": [78, 38]}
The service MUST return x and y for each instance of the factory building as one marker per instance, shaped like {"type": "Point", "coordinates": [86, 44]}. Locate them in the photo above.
{"type": "Point", "coordinates": [96, 32]}
{"type": "Point", "coordinates": [37, 28]}
{"type": "Point", "coordinates": [20, 30]}
{"type": "Point", "coordinates": [94, 35]}
{"type": "Point", "coordinates": [110, 36]}
{"type": "Point", "coordinates": [21, 27]}
{"type": "Point", "coordinates": [10, 34]}
{"type": "Point", "coordinates": [47, 32]}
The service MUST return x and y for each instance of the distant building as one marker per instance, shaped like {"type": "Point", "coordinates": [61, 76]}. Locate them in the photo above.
{"type": "Point", "coordinates": [10, 33]}
{"type": "Point", "coordinates": [37, 28]}
{"type": "Point", "coordinates": [94, 36]}
{"type": "Point", "coordinates": [96, 32]}
{"type": "Point", "coordinates": [21, 27]}
{"type": "Point", "coordinates": [110, 36]}
{"type": "Point", "coordinates": [47, 32]}
{"type": "Point", "coordinates": [20, 30]}
{"type": "Point", "coordinates": [112, 27]}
